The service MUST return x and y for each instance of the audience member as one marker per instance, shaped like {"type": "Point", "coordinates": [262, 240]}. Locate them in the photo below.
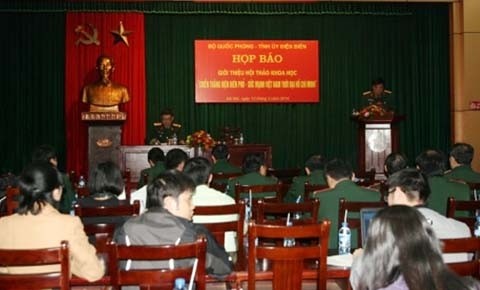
{"type": "Point", "coordinates": [409, 187]}
{"type": "Point", "coordinates": [460, 160]}
{"type": "Point", "coordinates": [254, 173]}
{"type": "Point", "coordinates": [340, 176]}
{"type": "Point", "coordinates": [403, 253]}
{"type": "Point", "coordinates": [220, 158]}
{"type": "Point", "coordinates": [168, 221]}
{"type": "Point", "coordinates": [176, 159]}
{"type": "Point", "coordinates": [156, 160]}
{"type": "Point", "coordinates": [199, 170]}
{"type": "Point", "coordinates": [314, 175]}
{"type": "Point", "coordinates": [394, 163]}
{"type": "Point", "coordinates": [46, 153]}
{"type": "Point", "coordinates": [38, 224]}
{"type": "Point", "coordinates": [432, 163]}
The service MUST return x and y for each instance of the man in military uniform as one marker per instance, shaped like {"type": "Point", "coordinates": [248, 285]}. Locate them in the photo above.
{"type": "Point", "coordinates": [254, 173]}
{"type": "Point", "coordinates": [432, 163]}
{"type": "Point", "coordinates": [339, 175]}
{"type": "Point", "coordinates": [460, 159]}
{"type": "Point", "coordinates": [156, 159]}
{"type": "Point", "coordinates": [220, 156]}
{"type": "Point", "coordinates": [315, 176]}
{"type": "Point", "coordinates": [377, 95]}
{"type": "Point", "coordinates": [166, 129]}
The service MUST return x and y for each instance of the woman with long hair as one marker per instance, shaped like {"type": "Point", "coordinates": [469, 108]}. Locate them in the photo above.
{"type": "Point", "coordinates": [403, 253]}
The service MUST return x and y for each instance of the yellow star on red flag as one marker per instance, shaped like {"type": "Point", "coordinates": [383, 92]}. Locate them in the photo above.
{"type": "Point", "coordinates": [120, 34]}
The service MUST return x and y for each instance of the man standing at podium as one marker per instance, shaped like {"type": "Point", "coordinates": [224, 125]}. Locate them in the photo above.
{"type": "Point", "coordinates": [166, 129]}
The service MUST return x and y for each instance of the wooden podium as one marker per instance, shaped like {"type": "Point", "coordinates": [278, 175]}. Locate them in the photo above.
{"type": "Point", "coordinates": [104, 136]}
{"type": "Point", "coordinates": [378, 136]}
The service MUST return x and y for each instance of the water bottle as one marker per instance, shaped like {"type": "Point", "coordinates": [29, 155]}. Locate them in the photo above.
{"type": "Point", "coordinates": [81, 182]}
{"type": "Point", "coordinates": [240, 139]}
{"type": "Point", "coordinates": [180, 284]}
{"type": "Point", "coordinates": [289, 242]}
{"type": "Point", "coordinates": [297, 215]}
{"type": "Point", "coordinates": [476, 231]}
{"type": "Point", "coordinates": [344, 239]}
{"type": "Point", "coordinates": [174, 139]}
{"type": "Point", "coordinates": [248, 210]}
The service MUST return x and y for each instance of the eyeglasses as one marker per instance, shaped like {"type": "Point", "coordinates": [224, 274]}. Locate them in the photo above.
{"type": "Point", "coordinates": [390, 191]}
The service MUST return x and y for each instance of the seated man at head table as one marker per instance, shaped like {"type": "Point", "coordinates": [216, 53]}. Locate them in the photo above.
{"type": "Point", "coordinates": [314, 175]}
{"type": "Point", "coordinates": [409, 187]}
{"type": "Point", "coordinates": [166, 130]}
{"type": "Point", "coordinates": [105, 95]}
{"type": "Point", "coordinates": [169, 221]}
{"type": "Point", "coordinates": [432, 163]}
{"type": "Point", "coordinates": [460, 159]}
{"type": "Point", "coordinates": [340, 177]}
{"type": "Point", "coordinates": [156, 160]}
{"type": "Point", "coordinates": [254, 173]}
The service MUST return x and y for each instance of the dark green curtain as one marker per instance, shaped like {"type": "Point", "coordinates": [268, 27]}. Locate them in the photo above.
{"type": "Point", "coordinates": [32, 82]}
{"type": "Point", "coordinates": [410, 52]}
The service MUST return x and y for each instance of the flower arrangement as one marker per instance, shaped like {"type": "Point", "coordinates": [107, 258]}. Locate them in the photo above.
{"type": "Point", "coordinates": [370, 111]}
{"type": "Point", "coordinates": [200, 139]}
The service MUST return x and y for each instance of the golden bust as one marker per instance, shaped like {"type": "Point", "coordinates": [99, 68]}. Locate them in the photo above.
{"type": "Point", "coordinates": [105, 95]}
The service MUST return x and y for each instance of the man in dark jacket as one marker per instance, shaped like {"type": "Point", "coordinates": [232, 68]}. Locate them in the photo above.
{"type": "Point", "coordinates": [168, 221]}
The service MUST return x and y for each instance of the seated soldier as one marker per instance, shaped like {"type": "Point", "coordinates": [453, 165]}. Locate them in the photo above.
{"type": "Point", "coordinates": [254, 173]}
{"type": "Point", "coordinates": [394, 163]}
{"type": "Point", "coordinates": [220, 157]}
{"type": "Point", "coordinates": [169, 220]}
{"type": "Point", "coordinates": [156, 159]}
{"type": "Point", "coordinates": [315, 176]}
{"type": "Point", "coordinates": [176, 159]}
{"type": "Point", "coordinates": [340, 176]}
{"type": "Point", "coordinates": [166, 129]}
{"type": "Point", "coordinates": [432, 163]}
{"type": "Point", "coordinates": [460, 159]}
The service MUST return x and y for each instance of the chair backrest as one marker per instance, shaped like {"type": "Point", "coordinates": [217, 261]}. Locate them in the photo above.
{"type": "Point", "coordinates": [288, 263]}
{"type": "Point", "coordinates": [311, 188]}
{"type": "Point", "coordinates": [13, 193]}
{"type": "Point", "coordinates": [156, 278]}
{"type": "Point", "coordinates": [278, 212]}
{"type": "Point", "coordinates": [102, 233]}
{"type": "Point", "coordinates": [279, 189]}
{"type": "Point", "coordinates": [464, 245]}
{"type": "Point", "coordinates": [123, 209]}
{"type": "Point", "coordinates": [355, 207]}
{"type": "Point", "coordinates": [472, 206]}
{"type": "Point", "coordinates": [37, 257]}
{"type": "Point", "coordinates": [224, 176]}
{"type": "Point", "coordinates": [218, 229]}
{"type": "Point", "coordinates": [284, 175]}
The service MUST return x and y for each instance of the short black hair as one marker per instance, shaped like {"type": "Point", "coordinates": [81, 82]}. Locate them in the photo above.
{"type": "Point", "coordinates": [198, 169]}
{"type": "Point", "coordinates": [252, 162]}
{"type": "Point", "coordinates": [338, 169]}
{"type": "Point", "coordinates": [36, 183]}
{"type": "Point", "coordinates": [431, 162]}
{"type": "Point", "coordinates": [169, 183]}
{"type": "Point", "coordinates": [166, 111]}
{"type": "Point", "coordinates": [156, 155]}
{"type": "Point", "coordinates": [378, 81]}
{"type": "Point", "coordinates": [315, 162]}
{"type": "Point", "coordinates": [106, 178]}
{"type": "Point", "coordinates": [44, 153]}
{"type": "Point", "coordinates": [413, 183]}
{"type": "Point", "coordinates": [462, 153]}
{"type": "Point", "coordinates": [220, 151]}
{"type": "Point", "coordinates": [174, 158]}
{"type": "Point", "coordinates": [395, 162]}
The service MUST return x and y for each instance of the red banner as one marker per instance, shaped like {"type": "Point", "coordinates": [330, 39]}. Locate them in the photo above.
{"type": "Point", "coordinates": [257, 71]}
{"type": "Point", "coordinates": [89, 35]}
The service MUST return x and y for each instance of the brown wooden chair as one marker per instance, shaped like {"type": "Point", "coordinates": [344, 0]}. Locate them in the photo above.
{"type": "Point", "coordinates": [156, 278]}
{"type": "Point", "coordinates": [474, 189]}
{"type": "Point", "coordinates": [355, 207]}
{"type": "Point", "coordinates": [279, 212]}
{"type": "Point", "coordinates": [284, 175]}
{"type": "Point", "coordinates": [311, 188]}
{"type": "Point", "coordinates": [464, 245]}
{"type": "Point", "coordinates": [37, 257]}
{"type": "Point", "coordinates": [471, 206]}
{"type": "Point", "coordinates": [288, 263]}
{"type": "Point", "coordinates": [13, 193]}
{"type": "Point", "coordinates": [220, 179]}
{"type": "Point", "coordinates": [279, 189]}
{"type": "Point", "coordinates": [129, 185]}
{"type": "Point", "coordinates": [82, 192]}
{"type": "Point", "coordinates": [102, 233]}
{"type": "Point", "coordinates": [123, 209]}
{"type": "Point", "coordinates": [366, 179]}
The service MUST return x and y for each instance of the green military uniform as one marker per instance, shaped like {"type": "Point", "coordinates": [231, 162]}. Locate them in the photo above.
{"type": "Point", "coordinates": [68, 195]}
{"type": "Point", "coordinates": [441, 188]}
{"type": "Point", "coordinates": [329, 206]}
{"type": "Point", "coordinates": [152, 172]}
{"type": "Point", "coordinates": [464, 173]}
{"type": "Point", "coordinates": [223, 166]}
{"type": "Point", "coordinates": [253, 178]}
{"type": "Point", "coordinates": [316, 177]}
{"type": "Point", "coordinates": [163, 133]}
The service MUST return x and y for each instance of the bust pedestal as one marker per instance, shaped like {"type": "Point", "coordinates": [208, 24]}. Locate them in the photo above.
{"type": "Point", "coordinates": [104, 136]}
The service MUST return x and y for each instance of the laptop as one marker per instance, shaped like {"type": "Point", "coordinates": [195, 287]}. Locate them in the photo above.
{"type": "Point", "coordinates": [366, 216]}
